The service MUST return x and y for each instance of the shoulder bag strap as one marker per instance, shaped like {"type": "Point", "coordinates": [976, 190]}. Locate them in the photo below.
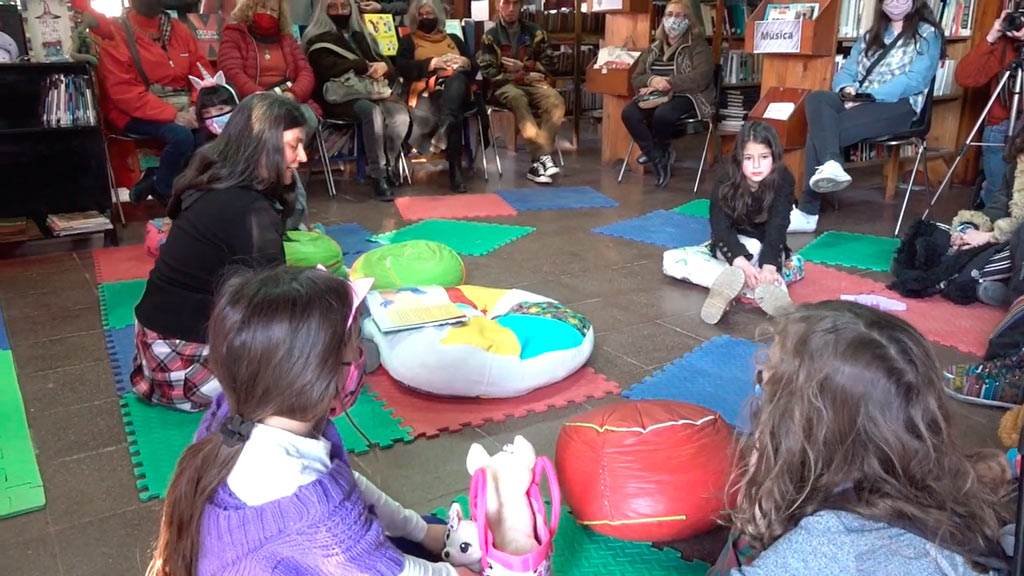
{"type": "Point", "coordinates": [881, 56]}
{"type": "Point", "coordinates": [130, 37]}
{"type": "Point", "coordinates": [334, 48]}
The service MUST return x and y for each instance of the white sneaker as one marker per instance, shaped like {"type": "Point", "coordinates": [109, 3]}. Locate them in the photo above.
{"type": "Point", "coordinates": [800, 222]}
{"type": "Point", "coordinates": [774, 300]}
{"type": "Point", "coordinates": [536, 174]}
{"type": "Point", "coordinates": [550, 168]}
{"type": "Point", "coordinates": [830, 177]}
{"type": "Point", "coordinates": [723, 291]}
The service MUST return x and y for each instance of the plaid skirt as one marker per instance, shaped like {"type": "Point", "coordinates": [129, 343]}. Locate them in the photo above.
{"type": "Point", "coordinates": [172, 373]}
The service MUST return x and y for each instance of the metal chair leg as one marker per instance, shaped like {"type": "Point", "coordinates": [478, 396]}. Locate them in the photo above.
{"type": "Point", "coordinates": [483, 150]}
{"type": "Point", "coordinates": [494, 145]}
{"type": "Point", "coordinates": [326, 161]}
{"type": "Point", "coordinates": [403, 168]}
{"type": "Point", "coordinates": [113, 184]}
{"type": "Point", "coordinates": [561, 161]}
{"type": "Point", "coordinates": [626, 160]}
{"type": "Point", "coordinates": [703, 158]}
{"type": "Point", "coordinates": [921, 149]}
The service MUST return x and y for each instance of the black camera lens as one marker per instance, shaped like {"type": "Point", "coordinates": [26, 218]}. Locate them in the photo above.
{"type": "Point", "coordinates": [1013, 21]}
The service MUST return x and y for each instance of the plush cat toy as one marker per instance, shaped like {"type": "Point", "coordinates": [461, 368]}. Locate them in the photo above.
{"type": "Point", "coordinates": [461, 540]}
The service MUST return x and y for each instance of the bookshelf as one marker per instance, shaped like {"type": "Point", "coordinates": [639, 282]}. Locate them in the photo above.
{"type": "Point", "coordinates": [32, 146]}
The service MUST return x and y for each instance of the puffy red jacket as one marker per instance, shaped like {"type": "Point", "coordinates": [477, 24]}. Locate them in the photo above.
{"type": "Point", "coordinates": [239, 59]}
{"type": "Point", "coordinates": [124, 95]}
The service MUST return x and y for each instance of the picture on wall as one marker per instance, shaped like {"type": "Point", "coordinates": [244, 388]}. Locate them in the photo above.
{"type": "Point", "coordinates": [12, 34]}
{"type": "Point", "coordinates": [49, 28]}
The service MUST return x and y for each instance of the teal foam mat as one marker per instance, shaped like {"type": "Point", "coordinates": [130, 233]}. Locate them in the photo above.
{"type": "Point", "coordinates": [117, 302]}
{"type": "Point", "coordinates": [21, 486]}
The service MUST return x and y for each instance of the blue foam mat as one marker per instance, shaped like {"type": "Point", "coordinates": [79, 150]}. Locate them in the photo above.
{"type": "Point", "coordinates": [121, 348]}
{"type": "Point", "coordinates": [661, 228]}
{"type": "Point", "coordinates": [558, 198]}
{"type": "Point", "coordinates": [353, 240]}
{"type": "Point", "coordinates": [5, 344]}
{"type": "Point", "coordinates": [718, 375]}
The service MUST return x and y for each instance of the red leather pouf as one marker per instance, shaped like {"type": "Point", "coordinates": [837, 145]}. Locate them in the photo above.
{"type": "Point", "coordinates": [648, 471]}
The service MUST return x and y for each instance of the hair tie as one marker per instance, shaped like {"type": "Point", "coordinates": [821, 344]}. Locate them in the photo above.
{"type": "Point", "coordinates": [236, 430]}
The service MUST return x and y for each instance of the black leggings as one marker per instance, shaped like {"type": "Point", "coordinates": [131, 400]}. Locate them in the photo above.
{"type": "Point", "coordinates": [831, 126]}
{"type": "Point", "coordinates": [652, 128]}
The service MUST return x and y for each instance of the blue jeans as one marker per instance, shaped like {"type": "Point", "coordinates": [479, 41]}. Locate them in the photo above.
{"type": "Point", "coordinates": [179, 142]}
{"type": "Point", "coordinates": [992, 163]}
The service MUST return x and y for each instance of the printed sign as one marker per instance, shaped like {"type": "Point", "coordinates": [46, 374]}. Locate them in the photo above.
{"type": "Point", "coordinates": [777, 36]}
{"type": "Point", "coordinates": [382, 28]}
{"type": "Point", "coordinates": [207, 29]}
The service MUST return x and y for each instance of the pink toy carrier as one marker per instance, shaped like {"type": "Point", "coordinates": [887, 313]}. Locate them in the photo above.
{"type": "Point", "coordinates": [155, 237]}
{"type": "Point", "coordinates": [535, 563]}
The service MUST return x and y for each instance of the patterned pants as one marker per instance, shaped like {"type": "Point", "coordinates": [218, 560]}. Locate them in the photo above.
{"type": "Point", "coordinates": [697, 265]}
{"type": "Point", "coordinates": [172, 373]}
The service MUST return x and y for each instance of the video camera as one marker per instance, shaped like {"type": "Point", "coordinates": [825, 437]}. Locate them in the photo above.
{"type": "Point", "coordinates": [1013, 21]}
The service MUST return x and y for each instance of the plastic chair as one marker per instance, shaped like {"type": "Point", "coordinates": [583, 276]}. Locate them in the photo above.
{"type": "Point", "coordinates": [107, 137]}
{"type": "Point", "coordinates": [496, 108]}
{"type": "Point", "coordinates": [680, 128]}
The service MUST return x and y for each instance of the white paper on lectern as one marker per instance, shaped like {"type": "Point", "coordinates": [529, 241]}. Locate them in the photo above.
{"type": "Point", "coordinates": [779, 110]}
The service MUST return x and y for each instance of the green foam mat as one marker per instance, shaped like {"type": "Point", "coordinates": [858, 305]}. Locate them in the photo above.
{"type": "Point", "coordinates": [852, 250]}
{"type": "Point", "coordinates": [117, 302]}
{"type": "Point", "coordinates": [580, 551]}
{"type": "Point", "coordinates": [21, 486]}
{"type": "Point", "coordinates": [700, 208]}
{"type": "Point", "coordinates": [466, 238]}
{"type": "Point", "coordinates": [157, 436]}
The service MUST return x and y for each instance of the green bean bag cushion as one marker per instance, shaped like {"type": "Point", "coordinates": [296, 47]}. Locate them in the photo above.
{"type": "Point", "coordinates": [306, 249]}
{"type": "Point", "coordinates": [412, 263]}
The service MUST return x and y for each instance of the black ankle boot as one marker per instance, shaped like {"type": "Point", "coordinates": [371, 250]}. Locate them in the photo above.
{"type": "Point", "coordinates": [658, 164]}
{"type": "Point", "coordinates": [455, 178]}
{"type": "Point", "coordinates": [381, 190]}
{"type": "Point", "coordinates": [664, 172]}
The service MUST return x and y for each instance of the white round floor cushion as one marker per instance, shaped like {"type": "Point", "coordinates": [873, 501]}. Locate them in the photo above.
{"type": "Point", "coordinates": [514, 342]}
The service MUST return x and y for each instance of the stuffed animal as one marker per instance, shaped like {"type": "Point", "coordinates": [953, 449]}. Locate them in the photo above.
{"type": "Point", "coordinates": [461, 540]}
{"type": "Point", "coordinates": [509, 475]}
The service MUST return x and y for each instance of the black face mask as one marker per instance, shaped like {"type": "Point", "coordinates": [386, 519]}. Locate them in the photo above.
{"type": "Point", "coordinates": [427, 25]}
{"type": "Point", "coordinates": [147, 8]}
{"type": "Point", "coordinates": [340, 20]}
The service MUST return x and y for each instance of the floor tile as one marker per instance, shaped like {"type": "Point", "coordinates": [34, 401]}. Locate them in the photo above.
{"type": "Point", "coordinates": [67, 387]}
{"type": "Point", "coordinates": [68, 432]}
{"type": "Point", "coordinates": [62, 352]}
{"type": "Point", "coordinates": [51, 301]}
{"type": "Point", "coordinates": [32, 556]}
{"type": "Point", "coordinates": [83, 488]}
{"type": "Point", "coordinates": [650, 344]}
{"type": "Point", "coordinates": [27, 329]}
{"type": "Point", "coordinates": [117, 544]}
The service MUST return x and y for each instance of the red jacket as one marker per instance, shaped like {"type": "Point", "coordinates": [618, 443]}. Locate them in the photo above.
{"type": "Point", "coordinates": [239, 59]}
{"type": "Point", "coordinates": [124, 95]}
{"type": "Point", "coordinates": [983, 65]}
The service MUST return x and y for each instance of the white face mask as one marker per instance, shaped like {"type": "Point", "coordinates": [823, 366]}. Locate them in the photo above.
{"type": "Point", "coordinates": [675, 26]}
{"type": "Point", "coordinates": [897, 10]}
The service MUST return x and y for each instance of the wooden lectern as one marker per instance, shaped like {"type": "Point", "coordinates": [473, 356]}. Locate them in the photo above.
{"type": "Point", "coordinates": [806, 68]}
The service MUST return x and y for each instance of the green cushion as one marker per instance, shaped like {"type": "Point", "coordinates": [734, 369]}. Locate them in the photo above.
{"type": "Point", "coordinates": [304, 249]}
{"type": "Point", "coordinates": [412, 263]}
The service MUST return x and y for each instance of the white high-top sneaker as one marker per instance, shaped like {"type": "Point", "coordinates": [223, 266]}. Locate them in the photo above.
{"type": "Point", "coordinates": [830, 177]}
{"type": "Point", "coordinates": [800, 222]}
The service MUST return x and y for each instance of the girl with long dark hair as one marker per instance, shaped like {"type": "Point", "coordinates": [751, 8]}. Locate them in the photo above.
{"type": "Point", "coordinates": [229, 208]}
{"type": "Point", "coordinates": [267, 487]}
{"type": "Point", "coordinates": [750, 205]}
{"type": "Point", "coordinates": [853, 466]}
{"type": "Point", "coordinates": [895, 62]}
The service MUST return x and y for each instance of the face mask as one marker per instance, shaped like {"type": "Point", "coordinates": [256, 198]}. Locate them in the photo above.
{"type": "Point", "coordinates": [675, 26]}
{"type": "Point", "coordinates": [147, 8]}
{"type": "Point", "coordinates": [216, 124]}
{"type": "Point", "coordinates": [341, 20]}
{"type": "Point", "coordinates": [264, 24]}
{"type": "Point", "coordinates": [428, 25]}
{"type": "Point", "coordinates": [897, 10]}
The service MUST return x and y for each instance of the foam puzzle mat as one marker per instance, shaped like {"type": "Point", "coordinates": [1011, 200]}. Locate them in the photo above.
{"type": "Point", "coordinates": [453, 206]}
{"type": "Point", "coordinates": [157, 436]}
{"type": "Point", "coordinates": [121, 263]}
{"type": "Point", "coordinates": [353, 239]}
{"type": "Point", "coordinates": [700, 208]}
{"type": "Point", "coordinates": [117, 302]}
{"type": "Point", "coordinates": [121, 349]}
{"type": "Point", "coordinates": [718, 375]}
{"type": "Point", "coordinates": [556, 198]}
{"type": "Point", "coordinates": [661, 228]}
{"type": "Point", "coordinates": [579, 551]}
{"type": "Point", "coordinates": [431, 415]}
{"type": "Point", "coordinates": [21, 486]}
{"type": "Point", "coordinates": [466, 238]}
{"type": "Point", "coordinates": [852, 250]}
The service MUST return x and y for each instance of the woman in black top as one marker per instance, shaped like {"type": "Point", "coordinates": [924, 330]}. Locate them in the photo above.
{"type": "Point", "coordinates": [750, 206]}
{"type": "Point", "coordinates": [336, 43]}
{"type": "Point", "coordinates": [229, 207]}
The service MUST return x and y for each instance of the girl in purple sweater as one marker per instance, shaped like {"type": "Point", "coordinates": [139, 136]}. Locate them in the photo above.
{"type": "Point", "coordinates": [267, 487]}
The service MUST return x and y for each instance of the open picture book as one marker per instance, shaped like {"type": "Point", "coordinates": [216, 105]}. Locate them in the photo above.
{"type": "Point", "coordinates": [407, 308]}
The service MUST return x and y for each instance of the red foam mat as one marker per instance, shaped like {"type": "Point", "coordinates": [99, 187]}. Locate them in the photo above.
{"type": "Point", "coordinates": [453, 206]}
{"type": "Point", "coordinates": [122, 263]}
{"type": "Point", "coordinates": [431, 415]}
{"type": "Point", "coordinates": [965, 328]}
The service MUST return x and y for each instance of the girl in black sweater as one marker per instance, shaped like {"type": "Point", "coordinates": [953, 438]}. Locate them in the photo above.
{"type": "Point", "coordinates": [750, 207]}
{"type": "Point", "coordinates": [229, 207]}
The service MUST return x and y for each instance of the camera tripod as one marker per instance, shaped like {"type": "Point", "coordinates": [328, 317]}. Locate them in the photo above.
{"type": "Point", "coordinates": [1014, 70]}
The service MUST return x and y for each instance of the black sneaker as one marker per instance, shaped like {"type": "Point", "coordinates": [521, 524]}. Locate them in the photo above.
{"type": "Point", "coordinates": [550, 168]}
{"type": "Point", "coordinates": [381, 191]}
{"type": "Point", "coordinates": [145, 187]}
{"type": "Point", "coordinates": [537, 174]}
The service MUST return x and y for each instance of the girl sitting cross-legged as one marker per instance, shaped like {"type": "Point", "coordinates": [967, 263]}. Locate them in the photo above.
{"type": "Point", "coordinates": [750, 206]}
{"type": "Point", "coordinates": [267, 487]}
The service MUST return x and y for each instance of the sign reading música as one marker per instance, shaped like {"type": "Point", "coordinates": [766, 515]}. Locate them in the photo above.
{"type": "Point", "coordinates": [776, 36]}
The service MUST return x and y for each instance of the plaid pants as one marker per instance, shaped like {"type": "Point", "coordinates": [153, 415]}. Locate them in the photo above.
{"type": "Point", "coordinates": [172, 373]}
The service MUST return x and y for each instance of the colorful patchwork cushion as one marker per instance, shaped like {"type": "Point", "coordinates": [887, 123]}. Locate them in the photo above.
{"type": "Point", "coordinates": [514, 342]}
{"type": "Point", "coordinates": [412, 263]}
{"type": "Point", "coordinates": [306, 249]}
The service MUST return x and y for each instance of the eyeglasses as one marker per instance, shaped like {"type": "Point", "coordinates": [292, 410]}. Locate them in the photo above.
{"type": "Point", "coordinates": [354, 380]}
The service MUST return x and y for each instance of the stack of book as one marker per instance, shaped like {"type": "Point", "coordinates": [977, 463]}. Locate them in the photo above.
{"type": "Point", "coordinates": [735, 106]}
{"type": "Point", "coordinates": [12, 228]}
{"type": "Point", "coordinates": [77, 223]}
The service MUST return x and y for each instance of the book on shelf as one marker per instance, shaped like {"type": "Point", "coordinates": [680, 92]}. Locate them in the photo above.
{"type": "Point", "coordinates": [563, 20]}
{"type": "Point", "coordinates": [740, 67]}
{"type": "Point", "coordinates": [795, 11]}
{"type": "Point", "coordinates": [407, 308]}
{"type": "Point", "coordinates": [735, 105]}
{"type": "Point", "coordinates": [12, 227]}
{"type": "Point", "coordinates": [856, 16]}
{"type": "Point", "coordinates": [68, 101]}
{"type": "Point", "coordinates": [70, 223]}
{"type": "Point", "coordinates": [866, 152]}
